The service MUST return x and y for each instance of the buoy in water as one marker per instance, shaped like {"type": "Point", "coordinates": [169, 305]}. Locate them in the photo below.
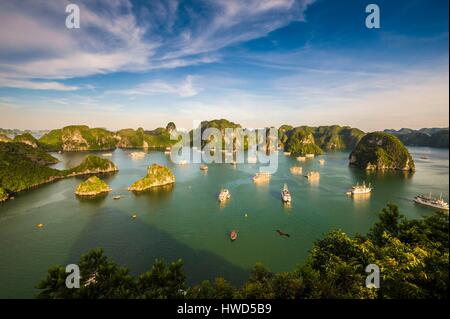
{"type": "Point", "coordinates": [246, 215]}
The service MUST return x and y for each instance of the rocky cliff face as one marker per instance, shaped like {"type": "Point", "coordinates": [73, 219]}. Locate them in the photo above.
{"type": "Point", "coordinates": [157, 175]}
{"type": "Point", "coordinates": [381, 151]}
{"type": "Point", "coordinates": [3, 195]}
{"type": "Point", "coordinates": [26, 138]}
{"type": "Point", "coordinates": [78, 138]}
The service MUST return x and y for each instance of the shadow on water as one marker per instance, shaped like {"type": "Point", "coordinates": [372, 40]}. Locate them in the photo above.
{"type": "Point", "coordinates": [156, 194]}
{"type": "Point", "coordinates": [138, 249]}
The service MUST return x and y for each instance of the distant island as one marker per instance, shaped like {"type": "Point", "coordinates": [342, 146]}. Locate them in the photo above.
{"type": "Point", "coordinates": [304, 140]}
{"type": "Point", "coordinates": [157, 175]}
{"type": "Point", "coordinates": [381, 151]}
{"type": "Point", "coordinates": [83, 138]}
{"type": "Point", "coordinates": [93, 186]}
{"type": "Point", "coordinates": [432, 137]}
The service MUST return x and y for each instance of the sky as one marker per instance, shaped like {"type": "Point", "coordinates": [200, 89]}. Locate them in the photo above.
{"type": "Point", "coordinates": [255, 62]}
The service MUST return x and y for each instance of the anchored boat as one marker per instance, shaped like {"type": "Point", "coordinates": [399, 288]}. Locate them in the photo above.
{"type": "Point", "coordinates": [233, 235]}
{"type": "Point", "coordinates": [360, 189]}
{"type": "Point", "coordinates": [431, 201]}
{"type": "Point", "coordinates": [285, 195]}
{"type": "Point", "coordinates": [224, 195]}
{"type": "Point", "coordinates": [262, 177]}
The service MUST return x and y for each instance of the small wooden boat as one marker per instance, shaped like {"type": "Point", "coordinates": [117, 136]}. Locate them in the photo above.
{"type": "Point", "coordinates": [203, 167]}
{"type": "Point", "coordinates": [233, 235]}
{"type": "Point", "coordinates": [117, 197]}
{"type": "Point", "coordinates": [134, 216]}
{"type": "Point", "coordinates": [40, 225]}
{"type": "Point", "coordinates": [281, 233]}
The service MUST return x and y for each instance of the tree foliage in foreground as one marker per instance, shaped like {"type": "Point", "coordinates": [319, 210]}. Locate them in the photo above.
{"type": "Point", "coordinates": [411, 254]}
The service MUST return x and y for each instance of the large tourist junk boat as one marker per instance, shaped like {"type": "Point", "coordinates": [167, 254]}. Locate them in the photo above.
{"type": "Point", "coordinates": [431, 201]}
{"type": "Point", "coordinates": [262, 177]}
{"type": "Point", "coordinates": [360, 189]}
{"type": "Point", "coordinates": [224, 195]}
{"type": "Point", "coordinates": [313, 175]}
{"type": "Point", "coordinates": [285, 195]}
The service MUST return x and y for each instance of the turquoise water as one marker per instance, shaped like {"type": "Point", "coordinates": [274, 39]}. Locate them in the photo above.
{"type": "Point", "coordinates": [186, 221]}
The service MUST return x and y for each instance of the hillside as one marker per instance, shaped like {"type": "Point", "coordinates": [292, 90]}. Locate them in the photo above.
{"type": "Point", "coordinates": [381, 151]}
{"type": "Point", "coordinates": [157, 175]}
{"type": "Point", "coordinates": [221, 125]}
{"type": "Point", "coordinates": [91, 187]}
{"type": "Point", "coordinates": [78, 138]}
{"type": "Point", "coordinates": [315, 140]}
{"type": "Point", "coordinates": [432, 137]}
{"type": "Point", "coordinates": [23, 167]}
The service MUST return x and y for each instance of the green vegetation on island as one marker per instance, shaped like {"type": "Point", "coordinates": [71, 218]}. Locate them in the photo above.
{"type": "Point", "coordinates": [23, 167]}
{"type": "Point", "coordinates": [92, 165]}
{"type": "Point", "coordinates": [91, 187]}
{"type": "Point", "coordinates": [3, 195]}
{"type": "Point", "coordinates": [4, 138]}
{"type": "Point", "coordinates": [26, 138]}
{"type": "Point", "coordinates": [78, 138]}
{"type": "Point", "coordinates": [220, 125]}
{"type": "Point", "coordinates": [412, 255]}
{"type": "Point", "coordinates": [432, 137]}
{"type": "Point", "coordinates": [315, 140]}
{"type": "Point", "coordinates": [157, 175]}
{"type": "Point", "coordinates": [381, 151]}
{"type": "Point", "coordinates": [83, 138]}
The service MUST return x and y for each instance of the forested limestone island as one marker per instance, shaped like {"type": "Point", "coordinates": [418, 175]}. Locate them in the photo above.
{"type": "Point", "coordinates": [412, 255]}
{"type": "Point", "coordinates": [83, 138]}
{"type": "Point", "coordinates": [304, 140]}
{"type": "Point", "coordinates": [26, 138]}
{"type": "Point", "coordinates": [381, 151]}
{"type": "Point", "coordinates": [432, 137]}
{"type": "Point", "coordinates": [93, 186]}
{"type": "Point", "coordinates": [23, 167]}
{"type": "Point", "coordinates": [221, 125]}
{"type": "Point", "coordinates": [157, 175]}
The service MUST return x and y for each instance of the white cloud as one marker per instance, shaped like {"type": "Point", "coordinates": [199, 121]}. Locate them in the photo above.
{"type": "Point", "coordinates": [25, 84]}
{"type": "Point", "coordinates": [185, 88]}
{"type": "Point", "coordinates": [113, 37]}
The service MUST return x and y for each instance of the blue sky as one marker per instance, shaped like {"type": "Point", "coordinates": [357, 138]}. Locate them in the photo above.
{"type": "Point", "coordinates": [256, 62]}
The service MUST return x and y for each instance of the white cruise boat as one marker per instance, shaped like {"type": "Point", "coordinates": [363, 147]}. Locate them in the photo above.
{"type": "Point", "coordinates": [360, 189]}
{"type": "Point", "coordinates": [431, 201]}
{"type": "Point", "coordinates": [285, 195]}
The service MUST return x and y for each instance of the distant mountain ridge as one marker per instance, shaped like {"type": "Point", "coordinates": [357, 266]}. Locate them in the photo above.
{"type": "Point", "coordinates": [432, 137]}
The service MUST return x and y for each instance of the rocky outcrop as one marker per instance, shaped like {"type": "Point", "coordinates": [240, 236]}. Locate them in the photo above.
{"type": "Point", "coordinates": [93, 186]}
{"type": "Point", "coordinates": [4, 138]}
{"type": "Point", "coordinates": [157, 175]}
{"type": "Point", "coordinates": [26, 138]}
{"type": "Point", "coordinates": [79, 138]}
{"type": "Point", "coordinates": [3, 195]}
{"type": "Point", "coordinates": [381, 151]}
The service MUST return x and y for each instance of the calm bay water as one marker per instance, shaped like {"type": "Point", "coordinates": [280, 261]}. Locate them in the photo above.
{"type": "Point", "coordinates": [186, 221]}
